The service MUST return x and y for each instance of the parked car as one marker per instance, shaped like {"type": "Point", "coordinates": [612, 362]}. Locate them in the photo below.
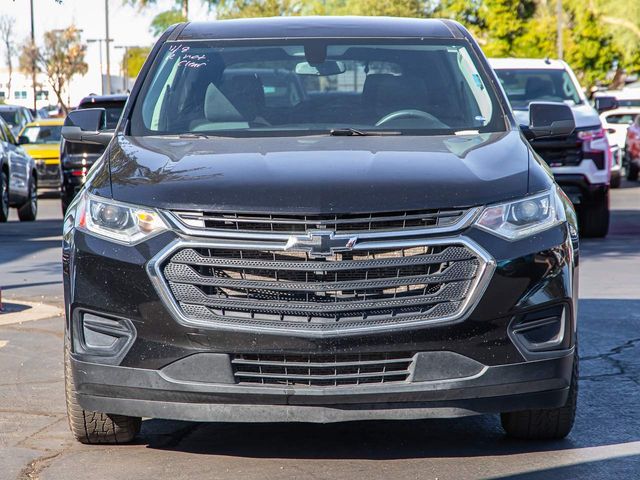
{"type": "Point", "coordinates": [632, 150]}
{"type": "Point", "coordinates": [627, 97]}
{"type": "Point", "coordinates": [16, 117]}
{"type": "Point", "coordinates": [397, 251]}
{"type": "Point", "coordinates": [41, 140]}
{"type": "Point", "coordinates": [18, 178]}
{"type": "Point", "coordinates": [617, 122]}
{"type": "Point", "coordinates": [581, 162]}
{"type": "Point", "coordinates": [76, 159]}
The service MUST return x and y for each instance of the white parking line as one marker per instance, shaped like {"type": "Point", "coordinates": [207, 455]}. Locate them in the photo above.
{"type": "Point", "coordinates": [35, 311]}
{"type": "Point", "coordinates": [3, 343]}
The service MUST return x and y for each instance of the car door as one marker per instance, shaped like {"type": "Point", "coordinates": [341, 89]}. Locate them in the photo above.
{"type": "Point", "coordinates": [19, 165]}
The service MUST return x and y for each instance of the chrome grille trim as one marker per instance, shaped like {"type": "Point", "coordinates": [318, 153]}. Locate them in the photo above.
{"type": "Point", "coordinates": [465, 219]}
{"type": "Point", "coordinates": [377, 318]}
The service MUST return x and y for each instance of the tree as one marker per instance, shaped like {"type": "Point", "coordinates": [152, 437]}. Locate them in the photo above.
{"type": "Point", "coordinates": [6, 38]}
{"type": "Point", "coordinates": [61, 58]}
{"type": "Point", "coordinates": [396, 8]}
{"type": "Point", "coordinates": [164, 20]}
{"type": "Point", "coordinates": [29, 59]}
{"type": "Point", "coordinates": [134, 59]}
{"type": "Point", "coordinates": [258, 8]}
{"type": "Point", "coordinates": [505, 22]}
{"type": "Point", "coordinates": [182, 4]}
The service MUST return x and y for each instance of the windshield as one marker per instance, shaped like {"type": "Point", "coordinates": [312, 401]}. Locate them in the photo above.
{"type": "Point", "coordinates": [629, 103]}
{"type": "Point", "coordinates": [45, 134]}
{"type": "Point", "coordinates": [524, 86]}
{"type": "Point", "coordinates": [313, 87]}
{"type": "Point", "coordinates": [9, 116]}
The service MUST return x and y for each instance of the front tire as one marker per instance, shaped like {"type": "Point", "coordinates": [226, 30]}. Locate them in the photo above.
{"type": "Point", "coordinates": [616, 180]}
{"type": "Point", "coordinates": [594, 219]}
{"type": "Point", "coordinates": [4, 197]}
{"type": "Point", "coordinates": [95, 427]}
{"type": "Point", "coordinates": [29, 211]}
{"type": "Point", "coordinates": [632, 171]}
{"type": "Point", "coordinates": [545, 424]}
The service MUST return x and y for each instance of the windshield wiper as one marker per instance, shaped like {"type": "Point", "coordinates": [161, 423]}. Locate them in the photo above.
{"type": "Point", "coordinates": [193, 135]}
{"type": "Point", "coordinates": [348, 132]}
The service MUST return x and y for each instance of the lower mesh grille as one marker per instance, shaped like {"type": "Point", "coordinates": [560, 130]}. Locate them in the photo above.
{"type": "Point", "coordinates": [322, 370]}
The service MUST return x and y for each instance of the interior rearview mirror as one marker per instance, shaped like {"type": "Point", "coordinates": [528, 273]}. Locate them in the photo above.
{"type": "Point", "coordinates": [328, 67]}
{"type": "Point", "coordinates": [602, 104]}
{"type": "Point", "coordinates": [86, 126]}
{"type": "Point", "coordinates": [550, 119]}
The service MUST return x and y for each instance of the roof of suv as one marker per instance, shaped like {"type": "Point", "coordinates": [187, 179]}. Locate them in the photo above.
{"type": "Point", "coordinates": [527, 63]}
{"type": "Point", "coordinates": [117, 97]}
{"type": "Point", "coordinates": [317, 27]}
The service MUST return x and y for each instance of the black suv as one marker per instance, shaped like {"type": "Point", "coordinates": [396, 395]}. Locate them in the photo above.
{"type": "Point", "coordinates": [77, 158]}
{"type": "Point", "coordinates": [383, 245]}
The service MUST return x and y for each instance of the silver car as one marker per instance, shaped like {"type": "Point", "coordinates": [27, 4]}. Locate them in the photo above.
{"type": "Point", "coordinates": [18, 178]}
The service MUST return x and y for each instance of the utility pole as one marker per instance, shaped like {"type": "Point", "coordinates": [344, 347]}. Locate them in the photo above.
{"type": "Point", "coordinates": [106, 41]}
{"type": "Point", "coordinates": [559, 41]}
{"type": "Point", "coordinates": [33, 65]}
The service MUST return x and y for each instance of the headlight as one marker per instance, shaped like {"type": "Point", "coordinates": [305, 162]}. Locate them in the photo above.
{"type": "Point", "coordinates": [521, 218]}
{"type": "Point", "coordinates": [117, 221]}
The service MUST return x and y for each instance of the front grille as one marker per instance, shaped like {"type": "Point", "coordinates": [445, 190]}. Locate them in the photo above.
{"type": "Point", "coordinates": [418, 219]}
{"type": "Point", "coordinates": [357, 288]}
{"type": "Point", "coordinates": [329, 370]}
{"type": "Point", "coordinates": [560, 152]}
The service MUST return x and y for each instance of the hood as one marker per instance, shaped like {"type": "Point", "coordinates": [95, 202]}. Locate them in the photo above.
{"type": "Point", "coordinates": [585, 116]}
{"type": "Point", "coordinates": [319, 174]}
{"type": "Point", "coordinates": [44, 150]}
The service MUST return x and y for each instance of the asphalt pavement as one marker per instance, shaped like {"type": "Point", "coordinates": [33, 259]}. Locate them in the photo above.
{"type": "Point", "coordinates": [605, 443]}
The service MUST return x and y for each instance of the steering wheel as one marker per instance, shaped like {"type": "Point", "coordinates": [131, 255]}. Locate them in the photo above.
{"type": "Point", "coordinates": [409, 113]}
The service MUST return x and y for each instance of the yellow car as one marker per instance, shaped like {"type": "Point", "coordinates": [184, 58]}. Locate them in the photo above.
{"type": "Point", "coordinates": [41, 140]}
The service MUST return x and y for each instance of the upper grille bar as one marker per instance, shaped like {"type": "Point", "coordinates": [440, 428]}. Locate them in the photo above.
{"type": "Point", "coordinates": [192, 257]}
{"type": "Point", "coordinates": [375, 225]}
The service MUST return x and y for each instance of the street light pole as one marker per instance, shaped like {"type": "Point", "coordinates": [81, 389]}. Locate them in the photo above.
{"type": "Point", "coordinates": [33, 60]}
{"type": "Point", "coordinates": [559, 40]}
{"type": "Point", "coordinates": [106, 40]}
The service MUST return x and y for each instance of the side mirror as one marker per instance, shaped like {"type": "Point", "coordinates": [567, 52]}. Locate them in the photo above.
{"type": "Point", "coordinates": [85, 126]}
{"type": "Point", "coordinates": [602, 104]}
{"type": "Point", "coordinates": [549, 119]}
{"type": "Point", "coordinates": [23, 140]}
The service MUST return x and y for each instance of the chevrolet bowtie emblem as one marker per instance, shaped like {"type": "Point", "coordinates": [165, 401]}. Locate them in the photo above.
{"type": "Point", "coordinates": [320, 243]}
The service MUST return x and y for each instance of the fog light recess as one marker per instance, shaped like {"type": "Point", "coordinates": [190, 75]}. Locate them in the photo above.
{"type": "Point", "coordinates": [106, 340]}
{"type": "Point", "coordinates": [542, 330]}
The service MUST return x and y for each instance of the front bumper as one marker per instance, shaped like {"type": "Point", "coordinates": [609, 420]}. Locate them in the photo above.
{"type": "Point", "coordinates": [493, 372]}
{"type": "Point", "coordinates": [152, 393]}
{"type": "Point", "coordinates": [580, 190]}
{"type": "Point", "coordinates": [48, 174]}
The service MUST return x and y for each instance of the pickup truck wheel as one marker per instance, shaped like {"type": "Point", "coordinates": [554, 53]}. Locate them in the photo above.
{"type": "Point", "coordinates": [616, 180]}
{"type": "Point", "coordinates": [95, 427]}
{"type": "Point", "coordinates": [632, 171]}
{"type": "Point", "coordinates": [4, 197]}
{"type": "Point", "coordinates": [593, 219]}
{"type": "Point", "coordinates": [29, 211]}
{"type": "Point", "coordinates": [545, 424]}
